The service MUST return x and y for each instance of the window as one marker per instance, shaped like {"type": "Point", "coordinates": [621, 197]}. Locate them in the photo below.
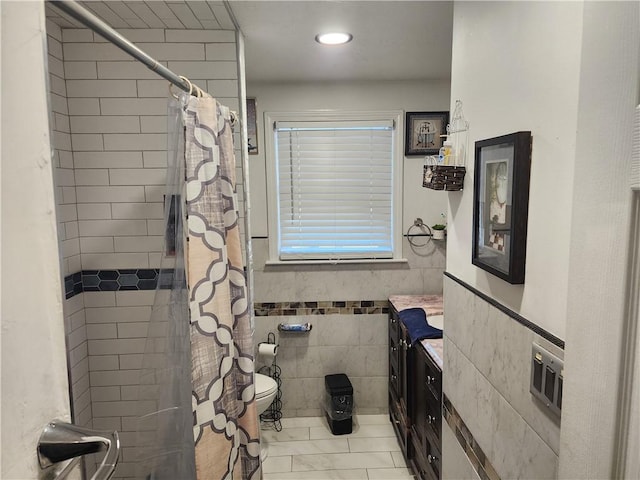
{"type": "Point", "coordinates": [334, 186]}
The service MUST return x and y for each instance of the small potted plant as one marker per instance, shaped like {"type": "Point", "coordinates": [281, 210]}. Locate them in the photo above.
{"type": "Point", "coordinates": [439, 229]}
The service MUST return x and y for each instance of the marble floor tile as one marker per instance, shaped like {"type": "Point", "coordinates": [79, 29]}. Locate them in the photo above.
{"type": "Point", "coordinates": [381, 444]}
{"type": "Point", "coordinates": [381, 419]}
{"type": "Point", "coordinates": [295, 422]}
{"type": "Point", "coordinates": [286, 434]}
{"type": "Point", "coordinates": [354, 474]}
{"type": "Point", "coordinates": [309, 447]}
{"type": "Point", "coordinates": [276, 464]}
{"type": "Point", "coordinates": [341, 461]}
{"type": "Point", "coordinates": [389, 473]}
{"type": "Point", "coordinates": [306, 449]}
{"type": "Point", "coordinates": [362, 431]}
{"type": "Point", "coordinates": [398, 459]}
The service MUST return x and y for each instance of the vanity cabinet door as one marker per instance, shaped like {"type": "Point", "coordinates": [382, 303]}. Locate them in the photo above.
{"type": "Point", "coordinates": [394, 354]}
{"type": "Point", "coordinates": [397, 383]}
{"type": "Point", "coordinates": [433, 385]}
{"type": "Point", "coordinates": [433, 378]}
{"type": "Point", "coordinates": [419, 393]}
{"type": "Point", "coordinates": [425, 413]}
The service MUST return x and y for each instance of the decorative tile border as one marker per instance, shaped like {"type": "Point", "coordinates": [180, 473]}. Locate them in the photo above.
{"type": "Point", "coordinates": [72, 285]}
{"type": "Point", "coordinates": [116, 280]}
{"type": "Point", "coordinates": [476, 456]}
{"type": "Point", "coordinates": [342, 307]}
{"type": "Point", "coordinates": [148, 278]}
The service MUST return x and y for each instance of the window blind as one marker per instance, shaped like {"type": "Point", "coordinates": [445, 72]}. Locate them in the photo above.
{"type": "Point", "coordinates": [335, 189]}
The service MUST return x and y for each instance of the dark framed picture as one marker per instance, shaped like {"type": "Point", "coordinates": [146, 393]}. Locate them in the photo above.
{"type": "Point", "coordinates": [252, 127]}
{"type": "Point", "coordinates": [501, 205]}
{"type": "Point", "coordinates": [424, 132]}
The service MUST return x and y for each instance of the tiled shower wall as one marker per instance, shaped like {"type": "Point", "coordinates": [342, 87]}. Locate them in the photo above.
{"type": "Point", "coordinates": [74, 314]}
{"type": "Point", "coordinates": [118, 121]}
{"type": "Point", "coordinates": [109, 121]}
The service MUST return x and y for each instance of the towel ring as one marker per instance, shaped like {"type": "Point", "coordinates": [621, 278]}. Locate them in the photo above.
{"type": "Point", "coordinates": [418, 223]}
{"type": "Point", "coordinates": [186, 80]}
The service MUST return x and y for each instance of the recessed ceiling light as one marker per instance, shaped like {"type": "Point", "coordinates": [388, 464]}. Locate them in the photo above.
{"type": "Point", "coordinates": [335, 38]}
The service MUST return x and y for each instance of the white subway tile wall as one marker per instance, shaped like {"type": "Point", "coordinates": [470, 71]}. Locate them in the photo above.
{"type": "Point", "coordinates": [117, 122]}
{"type": "Point", "coordinates": [62, 153]}
{"type": "Point", "coordinates": [109, 121]}
{"type": "Point", "coordinates": [116, 333]}
{"type": "Point", "coordinates": [68, 235]}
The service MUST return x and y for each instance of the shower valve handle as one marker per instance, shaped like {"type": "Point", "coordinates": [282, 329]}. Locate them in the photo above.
{"type": "Point", "coordinates": [61, 441]}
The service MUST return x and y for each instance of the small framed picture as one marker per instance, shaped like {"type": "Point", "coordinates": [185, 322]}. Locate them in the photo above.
{"type": "Point", "coordinates": [501, 205]}
{"type": "Point", "coordinates": [252, 126]}
{"type": "Point", "coordinates": [424, 132]}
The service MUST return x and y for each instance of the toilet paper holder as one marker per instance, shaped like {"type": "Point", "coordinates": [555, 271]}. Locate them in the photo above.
{"type": "Point", "coordinates": [295, 327]}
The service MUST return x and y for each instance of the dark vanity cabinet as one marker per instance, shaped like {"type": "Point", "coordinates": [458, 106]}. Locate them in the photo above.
{"type": "Point", "coordinates": [426, 409]}
{"type": "Point", "coordinates": [398, 379]}
{"type": "Point", "coordinates": [415, 401]}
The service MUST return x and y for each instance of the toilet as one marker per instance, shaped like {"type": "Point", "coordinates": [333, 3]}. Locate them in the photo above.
{"type": "Point", "coordinates": [266, 390]}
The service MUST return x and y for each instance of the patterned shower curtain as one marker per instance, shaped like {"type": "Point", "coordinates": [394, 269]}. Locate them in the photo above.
{"type": "Point", "coordinates": [226, 430]}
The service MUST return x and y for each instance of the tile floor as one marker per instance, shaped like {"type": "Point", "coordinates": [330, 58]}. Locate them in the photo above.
{"type": "Point", "coordinates": [306, 449]}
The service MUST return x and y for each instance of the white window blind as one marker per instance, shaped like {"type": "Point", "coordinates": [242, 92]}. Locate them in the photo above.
{"type": "Point", "coordinates": [335, 189]}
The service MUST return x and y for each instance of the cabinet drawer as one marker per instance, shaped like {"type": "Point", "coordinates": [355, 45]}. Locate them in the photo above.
{"type": "Point", "coordinates": [434, 459]}
{"type": "Point", "coordinates": [394, 378]}
{"type": "Point", "coordinates": [398, 420]}
{"type": "Point", "coordinates": [433, 420]}
{"type": "Point", "coordinates": [433, 379]}
{"type": "Point", "coordinates": [394, 330]}
{"type": "Point", "coordinates": [426, 458]}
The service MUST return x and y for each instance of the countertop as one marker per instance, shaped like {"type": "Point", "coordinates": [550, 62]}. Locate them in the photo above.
{"type": "Point", "coordinates": [432, 305]}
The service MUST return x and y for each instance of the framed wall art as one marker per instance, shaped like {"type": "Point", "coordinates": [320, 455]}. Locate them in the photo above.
{"type": "Point", "coordinates": [424, 132]}
{"type": "Point", "coordinates": [252, 126]}
{"type": "Point", "coordinates": [501, 205]}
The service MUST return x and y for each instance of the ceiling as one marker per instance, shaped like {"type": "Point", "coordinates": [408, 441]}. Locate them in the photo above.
{"type": "Point", "coordinates": [198, 14]}
{"type": "Point", "coordinates": [392, 40]}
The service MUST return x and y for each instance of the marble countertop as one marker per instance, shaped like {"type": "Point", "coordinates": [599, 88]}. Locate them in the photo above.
{"type": "Point", "coordinates": [434, 348]}
{"type": "Point", "coordinates": [433, 306]}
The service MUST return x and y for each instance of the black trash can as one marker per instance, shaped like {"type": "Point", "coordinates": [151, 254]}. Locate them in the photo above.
{"type": "Point", "coordinates": [338, 403]}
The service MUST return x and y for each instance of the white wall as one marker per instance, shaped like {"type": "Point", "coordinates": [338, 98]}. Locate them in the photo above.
{"type": "Point", "coordinates": [413, 96]}
{"type": "Point", "coordinates": [569, 72]}
{"type": "Point", "coordinates": [609, 91]}
{"type": "Point", "coordinates": [34, 370]}
{"type": "Point", "coordinates": [515, 66]}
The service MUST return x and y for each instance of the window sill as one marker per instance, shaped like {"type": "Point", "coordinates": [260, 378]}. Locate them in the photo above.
{"type": "Point", "coordinates": [365, 261]}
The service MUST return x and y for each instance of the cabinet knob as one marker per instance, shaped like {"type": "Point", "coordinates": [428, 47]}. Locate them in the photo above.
{"type": "Point", "coordinates": [430, 419]}
{"type": "Point", "coordinates": [393, 321]}
{"type": "Point", "coordinates": [430, 379]}
{"type": "Point", "coordinates": [394, 349]}
{"type": "Point", "coordinates": [432, 459]}
{"type": "Point", "coordinates": [394, 377]}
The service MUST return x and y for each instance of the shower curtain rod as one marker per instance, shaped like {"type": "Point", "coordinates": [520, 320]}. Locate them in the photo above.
{"type": "Point", "coordinates": [72, 8]}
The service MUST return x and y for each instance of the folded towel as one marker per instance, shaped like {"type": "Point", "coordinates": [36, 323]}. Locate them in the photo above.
{"type": "Point", "coordinates": [415, 319]}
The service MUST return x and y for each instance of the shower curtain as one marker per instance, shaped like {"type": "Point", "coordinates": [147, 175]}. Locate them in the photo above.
{"type": "Point", "coordinates": [197, 405]}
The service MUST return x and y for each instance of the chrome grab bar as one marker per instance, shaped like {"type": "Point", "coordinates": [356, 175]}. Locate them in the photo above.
{"type": "Point", "coordinates": [62, 441]}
